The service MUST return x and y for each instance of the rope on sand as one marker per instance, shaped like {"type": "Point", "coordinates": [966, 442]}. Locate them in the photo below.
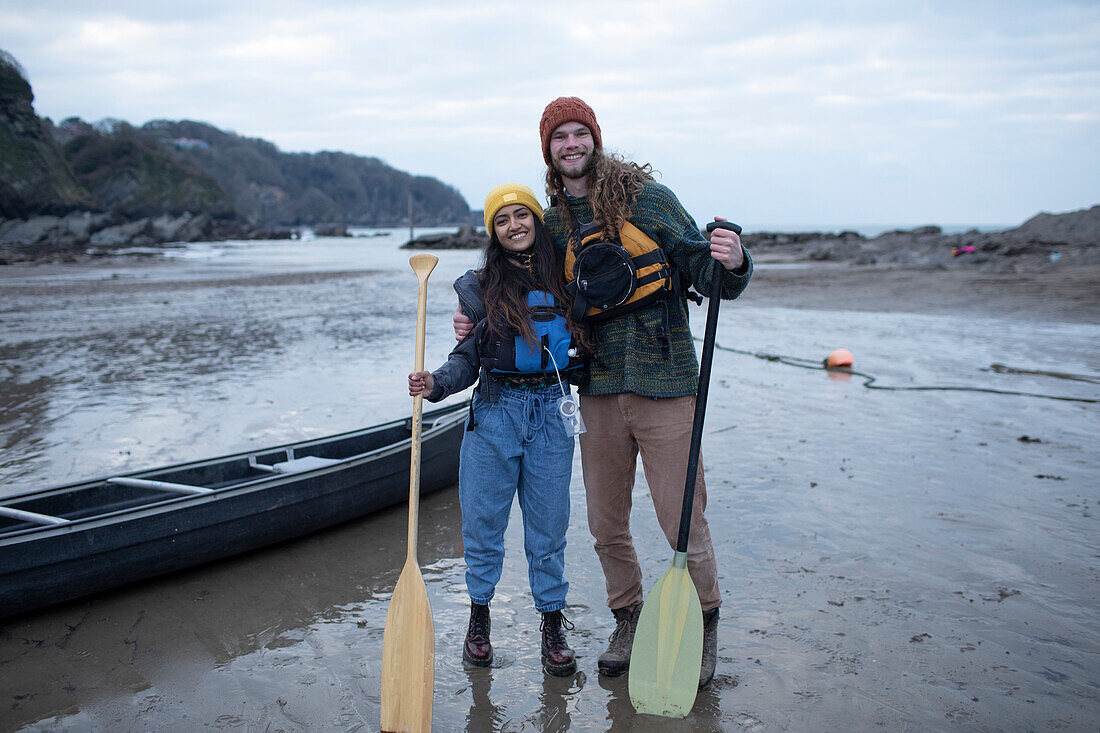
{"type": "Point", "coordinates": [869, 380]}
{"type": "Point", "coordinates": [1002, 369]}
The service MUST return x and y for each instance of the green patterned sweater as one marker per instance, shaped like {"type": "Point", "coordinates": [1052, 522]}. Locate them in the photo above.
{"type": "Point", "coordinates": [628, 356]}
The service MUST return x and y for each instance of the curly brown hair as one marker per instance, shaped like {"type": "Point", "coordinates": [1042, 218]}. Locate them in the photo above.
{"type": "Point", "coordinates": [613, 185]}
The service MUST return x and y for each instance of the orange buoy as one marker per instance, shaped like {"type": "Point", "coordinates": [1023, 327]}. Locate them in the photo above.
{"type": "Point", "coordinates": [839, 358]}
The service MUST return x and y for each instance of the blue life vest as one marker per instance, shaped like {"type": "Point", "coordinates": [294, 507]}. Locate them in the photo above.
{"type": "Point", "coordinates": [513, 354]}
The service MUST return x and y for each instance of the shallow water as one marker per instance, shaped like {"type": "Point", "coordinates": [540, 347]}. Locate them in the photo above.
{"type": "Point", "coordinates": [894, 559]}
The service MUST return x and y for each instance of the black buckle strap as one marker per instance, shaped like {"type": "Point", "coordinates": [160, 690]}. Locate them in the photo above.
{"type": "Point", "coordinates": [653, 257]}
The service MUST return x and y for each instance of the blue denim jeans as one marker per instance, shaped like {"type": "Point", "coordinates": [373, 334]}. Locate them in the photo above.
{"type": "Point", "coordinates": [518, 446]}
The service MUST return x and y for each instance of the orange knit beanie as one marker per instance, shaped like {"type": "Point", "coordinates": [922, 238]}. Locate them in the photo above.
{"type": "Point", "coordinates": [562, 110]}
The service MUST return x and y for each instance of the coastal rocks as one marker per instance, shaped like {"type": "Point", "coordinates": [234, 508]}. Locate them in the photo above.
{"type": "Point", "coordinates": [133, 233]}
{"type": "Point", "coordinates": [815, 246]}
{"type": "Point", "coordinates": [71, 230]}
{"type": "Point", "coordinates": [921, 246]}
{"type": "Point", "coordinates": [184, 228]}
{"type": "Point", "coordinates": [80, 233]}
{"type": "Point", "coordinates": [335, 230]}
{"type": "Point", "coordinates": [466, 237]}
{"type": "Point", "coordinates": [834, 250]}
{"type": "Point", "coordinates": [1045, 240]}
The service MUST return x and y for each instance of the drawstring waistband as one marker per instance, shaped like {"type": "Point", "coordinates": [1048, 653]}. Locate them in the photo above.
{"type": "Point", "coordinates": [534, 407]}
{"type": "Point", "coordinates": [534, 415]}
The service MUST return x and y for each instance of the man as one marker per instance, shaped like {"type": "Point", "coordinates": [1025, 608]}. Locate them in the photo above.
{"type": "Point", "coordinates": [644, 374]}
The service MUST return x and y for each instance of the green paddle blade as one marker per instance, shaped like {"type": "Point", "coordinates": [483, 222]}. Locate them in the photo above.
{"type": "Point", "coordinates": [668, 646]}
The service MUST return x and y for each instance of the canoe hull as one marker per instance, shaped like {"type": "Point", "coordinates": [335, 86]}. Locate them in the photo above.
{"type": "Point", "coordinates": [51, 564]}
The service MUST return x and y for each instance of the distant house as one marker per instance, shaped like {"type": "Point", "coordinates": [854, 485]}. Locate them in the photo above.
{"type": "Point", "coordinates": [190, 143]}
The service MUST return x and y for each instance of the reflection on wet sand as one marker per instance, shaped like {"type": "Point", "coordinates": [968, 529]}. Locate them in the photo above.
{"type": "Point", "coordinates": [555, 700]}
{"type": "Point", "coordinates": [484, 715]}
{"type": "Point", "coordinates": [24, 408]}
{"type": "Point", "coordinates": [491, 712]}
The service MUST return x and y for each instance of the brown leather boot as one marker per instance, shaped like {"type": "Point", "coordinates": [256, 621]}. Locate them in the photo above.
{"type": "Point", "coordinates": [557, 658]}
{"type": "Point", "coordinates": [710, 647]}
{"type": "Point", "coordinates": [616, 660]}
{"type": "Point", "coordinates": [477, 650]}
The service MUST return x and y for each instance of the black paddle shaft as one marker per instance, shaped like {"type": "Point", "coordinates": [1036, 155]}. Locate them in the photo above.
{"type": "Point", "coordinates": [704, 388]}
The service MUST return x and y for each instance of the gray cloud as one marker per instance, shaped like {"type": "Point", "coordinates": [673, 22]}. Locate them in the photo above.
{"type": "Point", "coordinates": [783, 113]}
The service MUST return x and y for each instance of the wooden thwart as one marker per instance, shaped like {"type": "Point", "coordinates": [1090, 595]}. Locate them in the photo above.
{"type": "Point", "coordinates": [292, 464]}
{"type": "Point", "coordinates": [32, 517]}
{"type": "Point", "coordinates": [140, 483]}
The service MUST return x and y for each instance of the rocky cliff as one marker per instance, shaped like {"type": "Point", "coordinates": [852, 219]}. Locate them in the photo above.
{"type": "Point", "coordinates": [34, 177]}
{"type": "Point", "coordinates": [77, 184]}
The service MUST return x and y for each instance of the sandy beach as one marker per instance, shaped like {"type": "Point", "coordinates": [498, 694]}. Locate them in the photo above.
{"type": "Point", "coordinates": [899, 560]}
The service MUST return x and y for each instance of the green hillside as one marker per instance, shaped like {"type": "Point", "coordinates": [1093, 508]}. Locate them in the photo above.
{"type": "Point", "coordinates": [167, 167]}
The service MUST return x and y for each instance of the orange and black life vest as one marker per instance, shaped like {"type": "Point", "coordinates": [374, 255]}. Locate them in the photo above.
{"type": "Point", "coordinates": [607, 278]}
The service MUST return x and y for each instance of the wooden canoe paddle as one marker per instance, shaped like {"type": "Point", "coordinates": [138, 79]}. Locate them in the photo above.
{"type": "Point", "coordinates": [668, 643]}
{"type": "Point", "coordinates": [408, 645]}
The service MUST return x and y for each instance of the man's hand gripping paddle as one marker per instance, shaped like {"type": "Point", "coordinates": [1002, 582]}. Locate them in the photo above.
{"type": "Point", "coordinates": [668, 643]}
{"type": "Point", "coordinates": [408, 645]}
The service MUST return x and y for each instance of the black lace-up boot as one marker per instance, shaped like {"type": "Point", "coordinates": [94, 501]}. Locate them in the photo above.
{"type": "Point", "coordinates": [477, 650]}
{"type": "Point", "coordinates": [557, 658]}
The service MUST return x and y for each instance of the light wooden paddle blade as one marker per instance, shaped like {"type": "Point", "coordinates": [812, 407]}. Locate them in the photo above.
{"type": "Point", "coordinates": [408, 657]}
{"type": "Point", "coordinates": [668, 646]}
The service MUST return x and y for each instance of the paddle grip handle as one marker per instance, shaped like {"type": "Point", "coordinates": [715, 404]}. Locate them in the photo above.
{"type": "Point", "coordinates": [704, 389]}
{"type": "Point", "coordinates": [735, 228]}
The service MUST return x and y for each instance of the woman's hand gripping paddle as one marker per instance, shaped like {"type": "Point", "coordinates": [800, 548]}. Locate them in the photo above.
{"type": "Point", "coordinates": [408, 645]}
{"type": "Point", "coordinates": [668, 643]}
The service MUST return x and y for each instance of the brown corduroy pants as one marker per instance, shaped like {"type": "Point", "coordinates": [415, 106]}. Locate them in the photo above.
{"type": "Point", "coordinates": [621, 427]}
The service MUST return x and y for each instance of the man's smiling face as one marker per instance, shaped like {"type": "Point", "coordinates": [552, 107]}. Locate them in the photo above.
{"type": "Point", "coordinates": [571, 146]}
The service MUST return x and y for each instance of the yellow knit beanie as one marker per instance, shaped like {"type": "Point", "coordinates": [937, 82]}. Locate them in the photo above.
{"type": "Point", "coordinates": [507, 194]}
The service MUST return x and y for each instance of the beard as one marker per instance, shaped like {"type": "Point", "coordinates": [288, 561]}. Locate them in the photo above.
{"type": "Point", "coordinates": [589, 166]}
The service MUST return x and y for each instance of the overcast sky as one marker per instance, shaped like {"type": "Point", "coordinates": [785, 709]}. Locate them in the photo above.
{"type": "Point", "coordinates": [771, 113]}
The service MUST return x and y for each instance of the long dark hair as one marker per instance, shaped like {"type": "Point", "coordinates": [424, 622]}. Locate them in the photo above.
{"type": "Point", "coordinates": [504, 285]}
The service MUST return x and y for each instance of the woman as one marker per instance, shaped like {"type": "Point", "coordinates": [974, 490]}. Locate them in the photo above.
{"type": "Point", "coordinates": [519, 438]}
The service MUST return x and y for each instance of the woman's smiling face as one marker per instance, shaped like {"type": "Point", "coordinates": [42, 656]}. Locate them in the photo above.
{"type": "Point", "coordinates": [514, 226]}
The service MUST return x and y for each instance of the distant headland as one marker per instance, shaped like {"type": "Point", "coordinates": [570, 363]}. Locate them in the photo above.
{"type": "Point", "coordinates": [67, 187]}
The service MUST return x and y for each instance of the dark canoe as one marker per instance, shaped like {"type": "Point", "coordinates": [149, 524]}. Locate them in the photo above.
{"type": "Point", "coordinates": [61, 543]}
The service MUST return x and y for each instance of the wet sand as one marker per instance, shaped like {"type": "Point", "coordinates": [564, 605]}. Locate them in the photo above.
{"type": "Point", "coordinates": [1068, 294]}
{"type": "Point", "coordinates": [905, 560]}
